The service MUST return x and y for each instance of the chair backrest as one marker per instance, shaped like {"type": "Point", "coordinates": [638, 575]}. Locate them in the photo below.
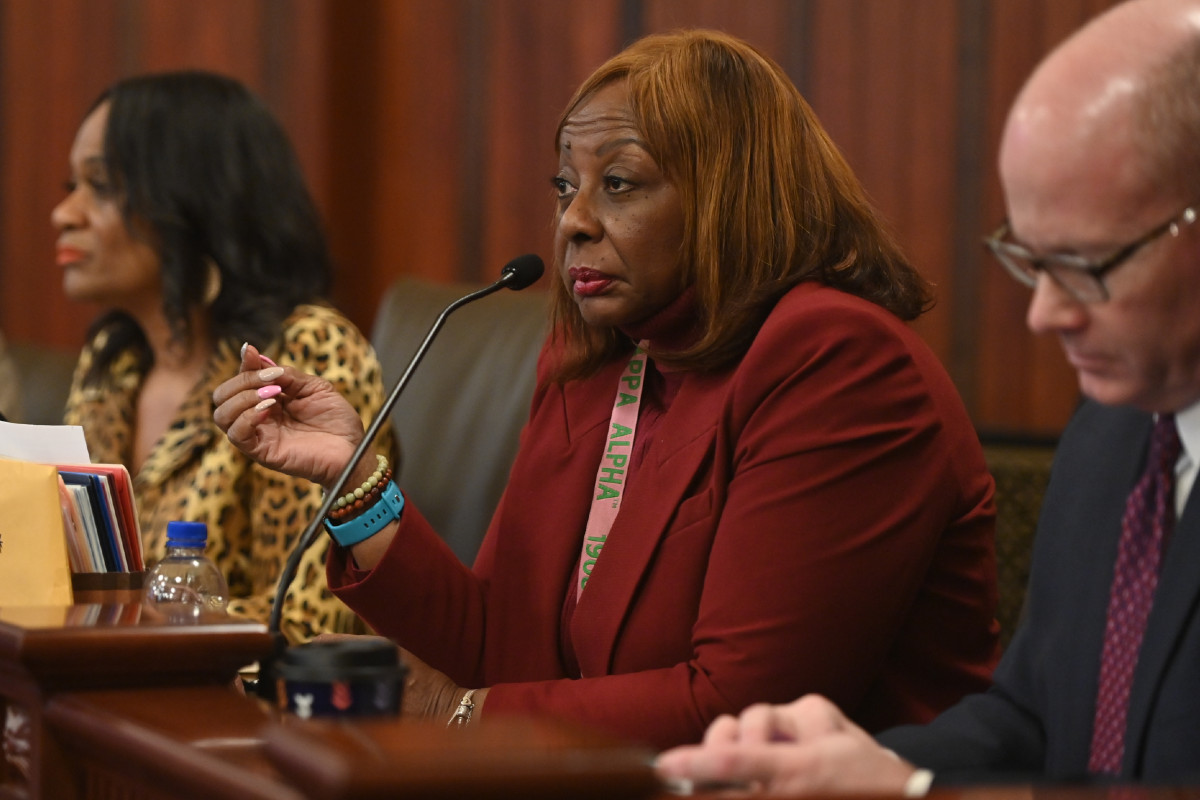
{"type": "Point", "coordinates": [1022, 470]}
{"type": "Point", "coordinates": [44, 375]}
{"type": "Point", "coordinates": [459, 418]}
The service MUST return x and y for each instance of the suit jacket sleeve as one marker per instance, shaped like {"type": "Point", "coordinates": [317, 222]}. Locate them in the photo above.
{"type": "Point", "coordinates": [988, 737]}
{"type": "Point", "coordinates": [1037, 718]}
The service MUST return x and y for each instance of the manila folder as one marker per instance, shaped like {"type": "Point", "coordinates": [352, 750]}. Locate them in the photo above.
{"type": "Point", "coordinates": [34, 568]}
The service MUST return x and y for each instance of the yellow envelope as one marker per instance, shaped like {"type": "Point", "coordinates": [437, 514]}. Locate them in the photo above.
{"type": "Point", "coordinates": [34, 568]}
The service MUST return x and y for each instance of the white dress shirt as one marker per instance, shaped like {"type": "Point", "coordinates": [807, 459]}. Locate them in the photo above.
{"type": "Point", "coordinates": [1188, 465]}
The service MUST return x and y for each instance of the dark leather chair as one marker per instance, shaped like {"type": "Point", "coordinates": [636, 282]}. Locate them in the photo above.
{"type": "Point", "coordinates": [45, 380]}
{"type": "Point", "coordinates": [460, 416]}
{"type": "Point", "coordinates": [1021, 468]}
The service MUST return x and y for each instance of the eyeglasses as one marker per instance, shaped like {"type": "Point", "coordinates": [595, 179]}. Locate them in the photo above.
{"type": "Point", "coordinates": [1079, 276]}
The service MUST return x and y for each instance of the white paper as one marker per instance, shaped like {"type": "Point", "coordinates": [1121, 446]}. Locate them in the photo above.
{"type": "Point", "coordinates": [43, 444]}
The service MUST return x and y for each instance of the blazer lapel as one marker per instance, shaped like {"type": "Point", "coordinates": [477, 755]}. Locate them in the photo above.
{"type": "Point", "coordinates": [1175, 603]}
{"type": "Point", "coordinates": [683, 446]}
{"type": "Point", "coordinates": [571, 455]}
{"type": "Point", "coordinates": [563, 456]}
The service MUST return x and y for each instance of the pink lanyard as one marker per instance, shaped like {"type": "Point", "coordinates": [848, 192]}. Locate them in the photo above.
{"type": "Point", "coordinates": [610, 477]}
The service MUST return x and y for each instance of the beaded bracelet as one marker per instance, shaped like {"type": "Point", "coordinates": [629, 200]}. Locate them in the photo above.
{"type": "Point", "coordinates": [356, 507]}
{"type": "Point", "coordinates": [361, 504]}
{"type": "Point", "coordinates": [367, 485]}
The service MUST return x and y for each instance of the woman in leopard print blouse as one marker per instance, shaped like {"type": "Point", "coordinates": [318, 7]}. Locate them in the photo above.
{"type": "Point", "coordinates": [188, 219]}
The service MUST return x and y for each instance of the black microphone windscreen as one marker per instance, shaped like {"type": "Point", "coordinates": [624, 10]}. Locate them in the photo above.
{"type": "Point", "coordinates": [522, 271]}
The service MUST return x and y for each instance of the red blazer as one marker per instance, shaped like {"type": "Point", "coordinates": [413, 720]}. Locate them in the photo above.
{"type": "Point", "coordinates": [817, 518]}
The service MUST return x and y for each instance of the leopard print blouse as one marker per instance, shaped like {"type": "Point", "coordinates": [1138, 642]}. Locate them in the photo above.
{"type": "Point", "coordinates": [254, 514]}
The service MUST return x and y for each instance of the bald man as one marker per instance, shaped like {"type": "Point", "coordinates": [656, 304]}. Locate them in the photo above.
{"type": "Point", "coordinates": [1100, 165]}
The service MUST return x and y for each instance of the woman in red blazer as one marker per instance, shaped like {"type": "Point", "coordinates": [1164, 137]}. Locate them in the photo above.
{"type": "Point", "coordinates": [743, 477]}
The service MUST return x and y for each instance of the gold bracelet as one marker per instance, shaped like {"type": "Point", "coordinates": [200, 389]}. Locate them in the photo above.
{"type": "Point", "coordinates": [462, 714]}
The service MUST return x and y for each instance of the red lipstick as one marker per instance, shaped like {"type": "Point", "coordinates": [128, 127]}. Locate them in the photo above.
{"type": "Point", "coordinates": [65, 256]}
{"type": "Point", "coordinates": [588, 282]}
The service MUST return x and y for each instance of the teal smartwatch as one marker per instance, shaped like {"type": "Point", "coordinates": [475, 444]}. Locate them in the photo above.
{"type": "Point", "coordinates": [382, 512]}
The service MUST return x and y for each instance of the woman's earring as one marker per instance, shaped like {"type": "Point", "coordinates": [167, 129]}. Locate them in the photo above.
{"type": "Point", "coordinates": [212, 284]}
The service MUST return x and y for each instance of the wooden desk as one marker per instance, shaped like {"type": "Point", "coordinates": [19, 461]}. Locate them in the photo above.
{"type": "Point", "coordinates": [101, 702]}
{"type": "Point", "coordinates": [496, 758]}
{"type": "Point", "coordinates": [199, 742]}
{"type": "Point", "coordinates": [51, 656]}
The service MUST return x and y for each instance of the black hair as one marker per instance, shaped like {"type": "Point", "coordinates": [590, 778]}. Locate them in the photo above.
{"type": "Point", "coordinates": [204, 170]}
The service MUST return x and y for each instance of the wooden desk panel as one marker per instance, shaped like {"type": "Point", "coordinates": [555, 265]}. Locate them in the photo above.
{"type": "Point", "coordinates": [46, 653]}
{"type": "Point", "coordinates": [201, 742]}
{"type": "Point", "coordinates": [493, 759]}
{"type": "Point", "coordinates": [119, 646]}
{"type": "Point", "coordinates": [112, 704]}
{"type": "Point", "coordinates": [107, 705]}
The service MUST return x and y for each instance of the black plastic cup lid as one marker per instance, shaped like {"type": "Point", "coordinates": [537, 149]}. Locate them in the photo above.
{"type": "Point", "coordinates": [345, 659]}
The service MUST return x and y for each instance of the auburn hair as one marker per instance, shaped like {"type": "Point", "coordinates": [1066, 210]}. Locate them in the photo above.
{"type": "Point", "coordinates": [768, 200]}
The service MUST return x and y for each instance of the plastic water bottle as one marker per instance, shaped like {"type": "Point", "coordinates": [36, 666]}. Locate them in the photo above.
{"type": "Point", "coordinates": [186, 583]}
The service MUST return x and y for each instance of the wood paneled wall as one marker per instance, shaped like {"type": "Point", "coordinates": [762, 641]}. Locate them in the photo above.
{"type": "Point", "coordinates": [425, 130]}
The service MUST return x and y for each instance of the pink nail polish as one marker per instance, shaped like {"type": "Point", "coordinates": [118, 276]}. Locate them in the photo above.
{"type": "Point", "coordinates": [269, 391]}
{"type": "Point", "coordinates": [267, 360]}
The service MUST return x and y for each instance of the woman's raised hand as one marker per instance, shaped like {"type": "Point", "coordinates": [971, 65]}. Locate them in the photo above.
{"type": "Point", "coordinates": [287, 420]}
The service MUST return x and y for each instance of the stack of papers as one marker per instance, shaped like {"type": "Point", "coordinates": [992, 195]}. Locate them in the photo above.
{"type": "Point", "coordinates": [99, 516]}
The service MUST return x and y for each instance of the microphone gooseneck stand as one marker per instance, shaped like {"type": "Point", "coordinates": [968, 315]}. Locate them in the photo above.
{"type": "Point", "coordinates": [516, 275]}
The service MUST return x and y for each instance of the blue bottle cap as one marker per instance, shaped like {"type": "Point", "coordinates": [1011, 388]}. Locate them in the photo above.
{"type": "Point", "coordinates": [188, 534]}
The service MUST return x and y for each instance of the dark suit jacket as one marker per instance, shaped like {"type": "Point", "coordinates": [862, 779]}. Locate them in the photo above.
{"type": "Point", "coordinates": [1037, 718]}
{"type": "Point", "coordinates": [817, 518]}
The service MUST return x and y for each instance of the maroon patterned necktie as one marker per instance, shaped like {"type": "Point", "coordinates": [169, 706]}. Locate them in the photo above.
{"type": "Point", "coordinates": [1145, 528]}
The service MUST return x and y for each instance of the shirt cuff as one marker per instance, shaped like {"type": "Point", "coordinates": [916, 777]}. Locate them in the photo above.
{"type": "Point", "coordinates": [918, 783]}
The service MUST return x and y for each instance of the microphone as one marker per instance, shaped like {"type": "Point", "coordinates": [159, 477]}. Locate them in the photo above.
{"type": "Point", "coordinates": [517, 274]}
